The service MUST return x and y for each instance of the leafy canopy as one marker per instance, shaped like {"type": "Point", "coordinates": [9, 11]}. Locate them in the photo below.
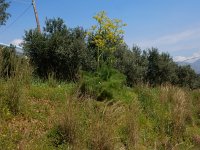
{"type": "Point", "coordinates": [57, 50]}
{"type": "Point", "coordinates": [106, 35]}
{"type": "Point", "coordinates": [3, 14]}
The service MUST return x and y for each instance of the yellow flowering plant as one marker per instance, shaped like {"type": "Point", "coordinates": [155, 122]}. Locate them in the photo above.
{"type": "Point", "coordinates": [106, 35]}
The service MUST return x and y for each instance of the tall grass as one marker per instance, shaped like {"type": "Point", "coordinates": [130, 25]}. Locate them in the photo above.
{"type": "Point", "coordinates": [67, 129]}
{"type": "Point", "coordinates": [132, 126]}
{"type": "Point", "coordinates": [165, 117]}
{"type": "Point", "coordinates": [16, 72]}
{"type": "Point", "coordinates": [101, 128]}
{"type": "Point", "coordinates": [160, 118]}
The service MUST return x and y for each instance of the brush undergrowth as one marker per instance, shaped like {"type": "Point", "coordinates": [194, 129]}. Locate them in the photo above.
{"type": "Point", "coordinates": [100, 113]}
{"type": "Point", "coordinates": [15, 73]}
{"type": "Point", "coordinates": [101, 85]}
{"type": "Point", "coordinates": [158, 118]}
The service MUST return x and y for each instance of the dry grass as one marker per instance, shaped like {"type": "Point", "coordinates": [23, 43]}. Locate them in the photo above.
{"type": "Point", "coordinates": [69, 125]}
{"type": "Point", "coordinates": [102, 125]}
{"type": "Point", "coordinates": [158, 119]}
{"type": "Point", "coordinates": [21, 131]}
{"type": "Point", "coordinates": [176, 113]}
{"type": "Point", "coordinates": [132, 123]}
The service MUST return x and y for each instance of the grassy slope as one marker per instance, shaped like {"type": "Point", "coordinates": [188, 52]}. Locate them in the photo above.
{"type": "Point", "coordinates": [51, 117]}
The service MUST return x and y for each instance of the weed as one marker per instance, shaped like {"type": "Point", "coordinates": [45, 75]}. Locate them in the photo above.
{"type": "Point", "coordinates": [101, 135]}
{"type": "Point", "coordinates": [67, 129]}
{"type": "Point", "coordinates": [101, 86]}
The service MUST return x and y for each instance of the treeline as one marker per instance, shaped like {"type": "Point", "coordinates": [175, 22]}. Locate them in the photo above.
{"type": "Point", "coordinates": [153, 68]}
{"type": "Point", "coordinates": [65, 51]}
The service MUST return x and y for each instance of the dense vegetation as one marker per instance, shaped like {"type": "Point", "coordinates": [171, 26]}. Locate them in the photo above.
{"type": "Point", "coordinates": [3, 13]}
{"type": "Point", "coordinates": [86, 89]}
{"type": "Point", "coordinates": [64, 52]}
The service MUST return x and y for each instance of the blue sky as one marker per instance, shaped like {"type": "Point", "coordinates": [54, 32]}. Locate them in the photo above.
{"type": "Point", "coordinates": [173, 26]}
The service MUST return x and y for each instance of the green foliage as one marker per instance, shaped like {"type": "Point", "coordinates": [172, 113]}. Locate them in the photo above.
{"type": "Point", "coordinates": [3, 14]}
{"type": "Point", "coordinates": [9, 139]}
{"type": "Point", "coordinates": [58, 50]}
{"type": "Point", "coordinates": [167, 108]}
{"type": "Point", "coordinates": [13, 96]}
{"type": "Point", "coordinates": [10, 99]}
{"type": "Point", "coordinates": [67, 130]}
{"type": "Point", "coordinates": [162, 117]}
{"type": "Point", "coordinates": [65, 52]}
{"type": "Point", "coordinates": [13, 65]}
{"type": "Point", "coordinates": [107, 114]}
{"type": "Point", "coordinates": [4, 111]}
{"type": "Point", "coordinates": [63, 134]}
{"type": "Point", "coordinates": [151, 67]}
{"type": "Point", "coordinates": [129, 132]}
{"type": "Point", "coordinates": [102, 84]}
{"type": "Point", "coordinates": [14, 70]}
{"type": "Point", "coordinates": [8, 60]}
{"type": "Point", "coordinates": [46, 91]}
{"type": "Point", "coordinates": [187, 77]}
{"type": "Point", "coordinates": [195, 104]}
{"type": "Point", "coordinates": [104, 37]}
{"type": "Point", "coordinates": [132, 63]}
{"type": "Point", "coordinates": [161, 68]}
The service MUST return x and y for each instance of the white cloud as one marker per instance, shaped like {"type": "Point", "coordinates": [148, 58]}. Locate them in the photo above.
{"type": "Point", "coordinates": [188, 39]}
{"type": "Point", "coordinates": [17, 42]}
{"type": "Point", "coordinates": [190, 59]}
{"type": "Point", "coordinates": [179, 58]}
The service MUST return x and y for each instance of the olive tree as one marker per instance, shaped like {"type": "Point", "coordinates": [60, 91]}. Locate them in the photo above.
{"type": "Point", "coordinates": [3, 14]}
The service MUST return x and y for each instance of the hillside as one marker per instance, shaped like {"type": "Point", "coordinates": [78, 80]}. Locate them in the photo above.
{"type": "Point", "coordinates": [53, 116]}
{"type": "Point", "coordinates": [80, 89]}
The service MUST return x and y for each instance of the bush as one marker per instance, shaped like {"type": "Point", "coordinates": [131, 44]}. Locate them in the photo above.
{"type": "Point", "coordinates": [132, 63]}
{"type": "Point", "coordinates": [102, 84]}
{"type": "Point", "coordinates": [16, 72]}
{"type": "Point", "coordinates": [13, 96]}
{"type": "Point", "coordinates": [8, 61]}
{"type": "Point", "coordinates": [165, 115]}
{"type": "Point", "coordinates": [129, 133]}
{"type": "Point", "coordinates": [67, 130]}
{"type": "Point", "coordinates": [58, 50]}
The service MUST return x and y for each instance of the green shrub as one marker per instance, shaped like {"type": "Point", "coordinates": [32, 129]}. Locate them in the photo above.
{"type": "Point", "coordinates": [15, 73]}
{"type": "Point", "coordinates": [102, 124]}
{"type": "Point", "coordinates": [129, 132]}
{"type": "Point", "coordinates": [4, 111]}
{"type": "Point", "coordinates": [13, 96]}
{"type": "Point", "coordinates": [102, 84]}
{"type": "Point", "coordinates": [8, 61]}
{"type": "Point", "coordinates": [58, 49]}
{"type": "Point", "coordinates": [67, 130]}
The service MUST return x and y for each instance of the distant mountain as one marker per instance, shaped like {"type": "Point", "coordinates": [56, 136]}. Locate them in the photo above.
{"type": "Point", "coordinates": [195, 65]}
{"type": "Point", "coordinates": [19, 50]}
{"type": "Point", "coordinates": [183, 63]}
